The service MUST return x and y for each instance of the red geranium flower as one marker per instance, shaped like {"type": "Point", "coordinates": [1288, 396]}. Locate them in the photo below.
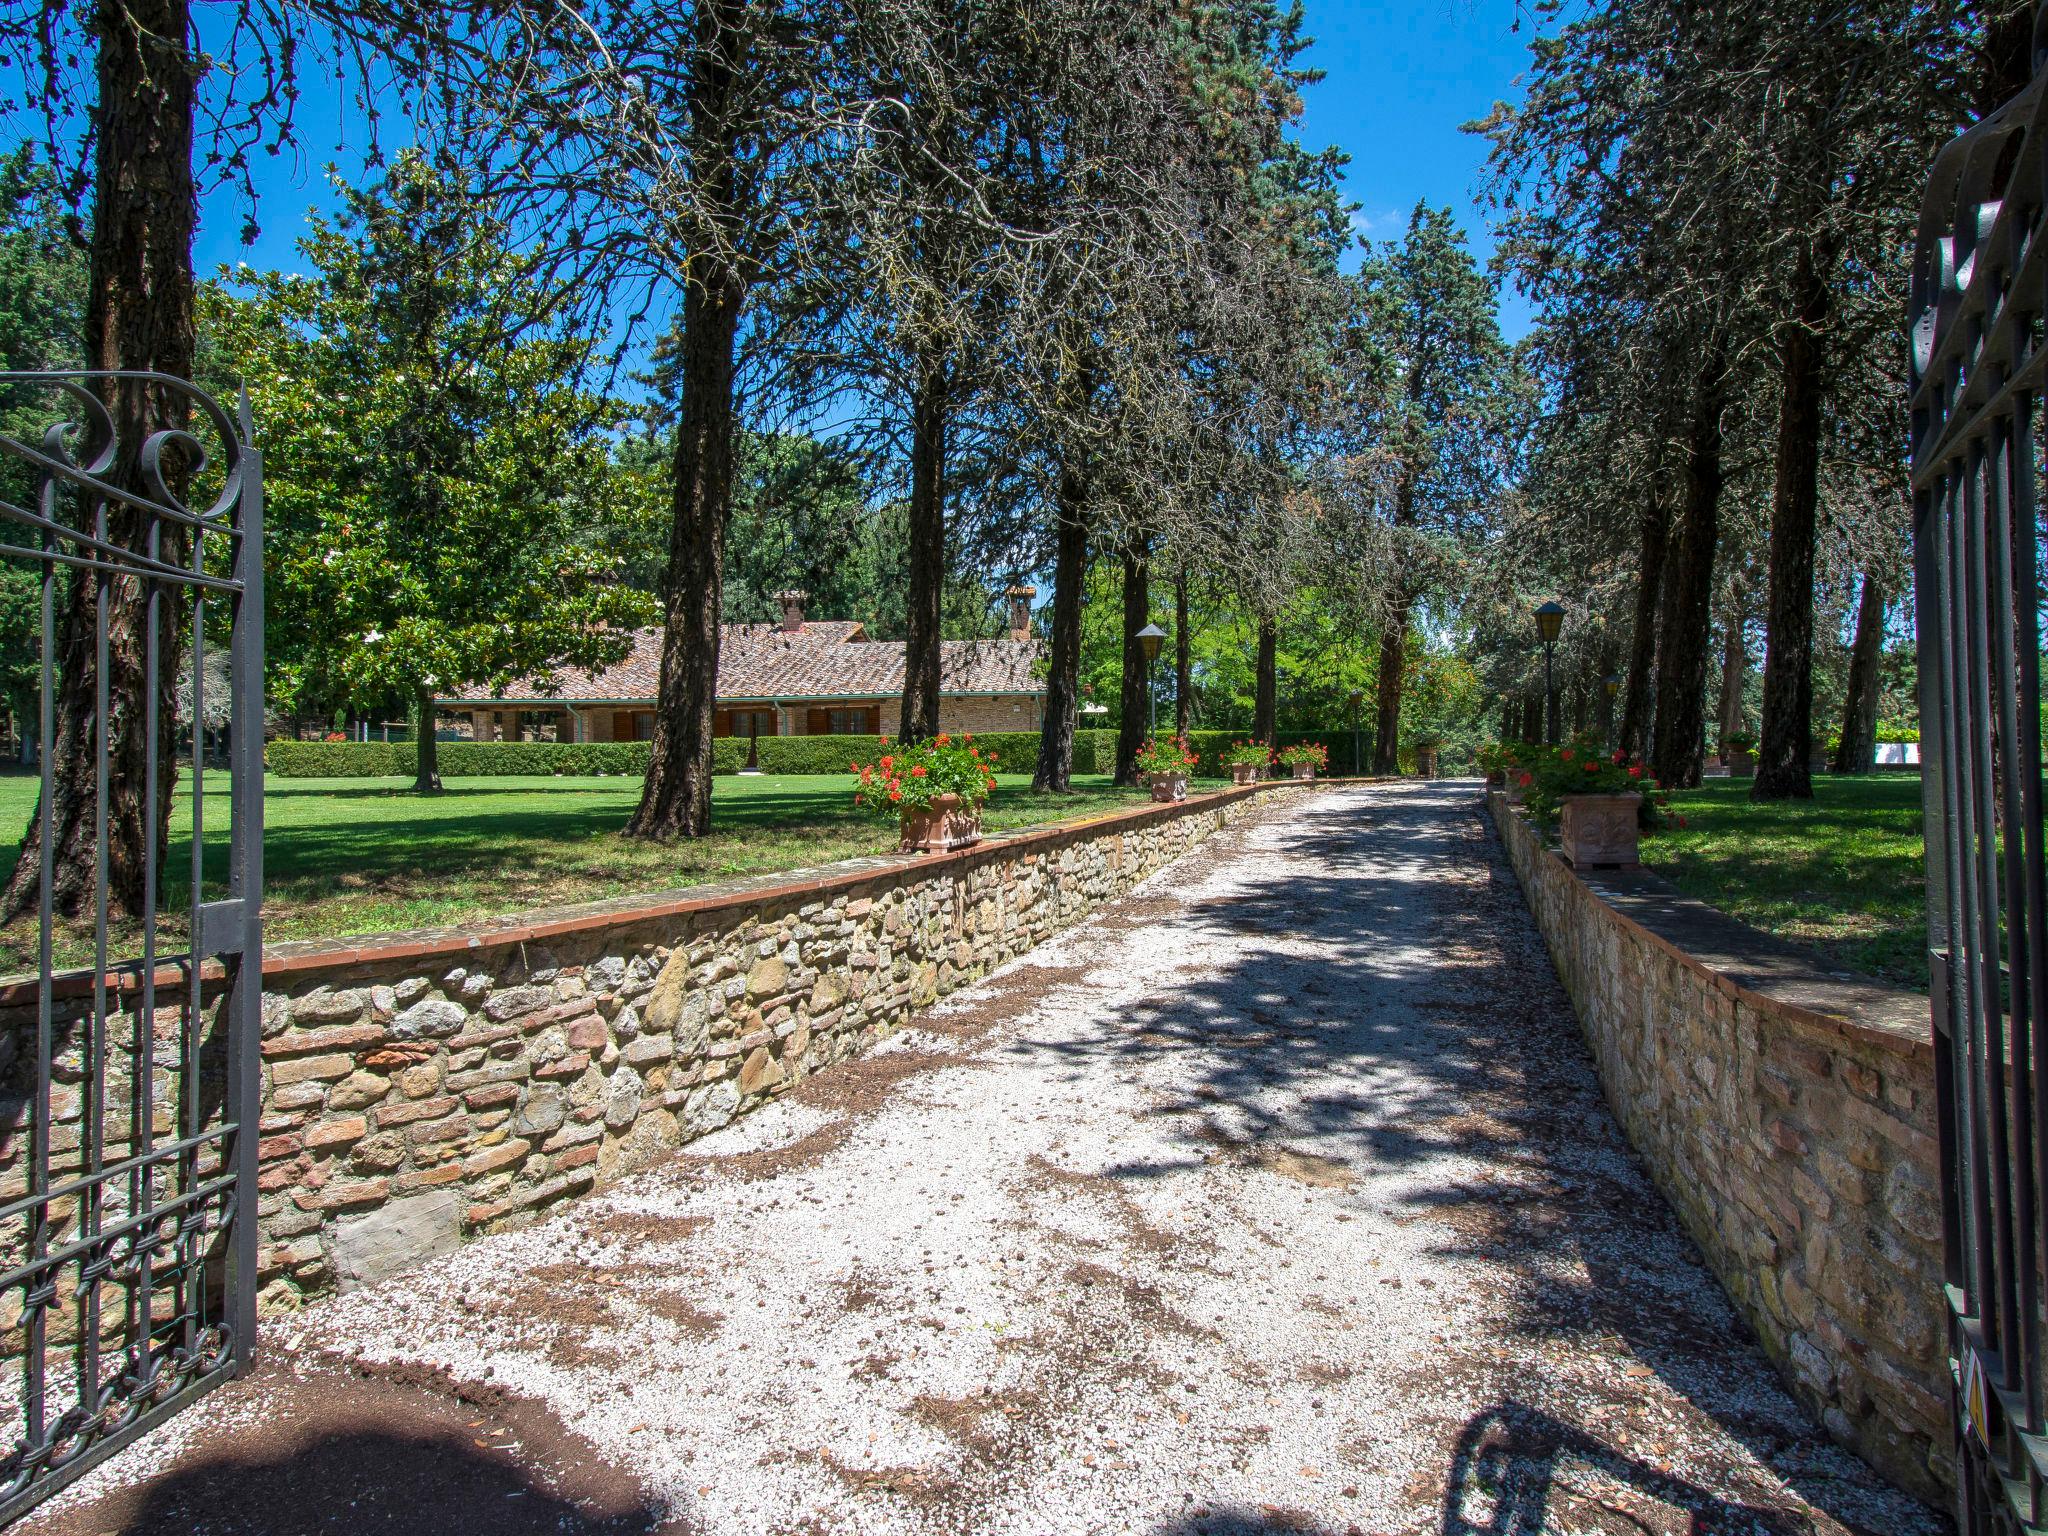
{"type": "Point", "coordinates": [1592, 767]}
{"type": "Point", "coordinates": [1565, 755]}
{"type": "Point", "coordinates": [917, 772]}
{"type": "Point", "coordinates": [1635, 770]}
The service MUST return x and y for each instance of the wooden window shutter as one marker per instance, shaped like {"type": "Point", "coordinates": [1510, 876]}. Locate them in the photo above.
{"type": "Point", "coordinates": [818, 722]}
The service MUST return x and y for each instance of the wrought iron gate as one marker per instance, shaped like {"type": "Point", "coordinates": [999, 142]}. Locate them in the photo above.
{"type": "Point", "coordinates": [130, 992]}
{"type": "Point", "coordinates": [1980, 292]}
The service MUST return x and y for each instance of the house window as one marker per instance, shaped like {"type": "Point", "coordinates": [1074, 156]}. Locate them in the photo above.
{"type": "Point", "coordinates": [752, 722]}
{"type": "Point", "coordinates": [643, 726]}
{"type": "Point", "coordinates": [850, 722]}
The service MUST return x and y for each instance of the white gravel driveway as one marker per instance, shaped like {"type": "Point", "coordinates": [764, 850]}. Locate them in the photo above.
{"type": "Point", "coordinates": [1279, 1197]}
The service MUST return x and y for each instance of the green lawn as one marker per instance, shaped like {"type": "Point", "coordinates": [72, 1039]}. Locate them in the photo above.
{"type": "Point", "coordinates": [367, 856]}
{"type": "Point", "coordinates": [1841, 873]}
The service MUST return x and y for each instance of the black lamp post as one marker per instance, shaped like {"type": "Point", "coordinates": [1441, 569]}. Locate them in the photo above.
{"type": "Point", "coordinates": [1149, 640]}
{"type": "Point", "coordinates": [1610, 685]}
{"type": "Point", "coordinates": [1549, 620]}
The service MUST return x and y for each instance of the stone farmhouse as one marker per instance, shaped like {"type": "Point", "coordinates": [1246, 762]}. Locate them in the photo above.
{"type": "Point", "coordinates": [801, 677]}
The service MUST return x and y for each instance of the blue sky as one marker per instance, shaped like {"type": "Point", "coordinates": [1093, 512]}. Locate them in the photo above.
{"type": "Point", "coordinates": [1401, 78]}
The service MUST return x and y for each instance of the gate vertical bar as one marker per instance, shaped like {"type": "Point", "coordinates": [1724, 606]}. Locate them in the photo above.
{"type": "Point", "coordinates": [245, 999]}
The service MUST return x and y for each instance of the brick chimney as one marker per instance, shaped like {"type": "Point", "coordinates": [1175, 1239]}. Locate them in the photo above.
{"type": "Point", "coordinates": [792, 609]}
{"type": "Point", "coordinates": [1020, 610]}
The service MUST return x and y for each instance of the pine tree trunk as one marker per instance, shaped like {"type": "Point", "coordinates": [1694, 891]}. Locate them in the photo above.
{"type": "Point", "coordinates": [1857, 751]}
{"type": "Point", "coordinates": [1653, 544]}
{"type": "Point", "coordinates": [1734, 668]}
{"type": "Point", "coordinates": [1183, 654]}
{"type": "Point", "coordinates": [1136, 690]}
{"type": "Point", "coordinates": [1266, 682]}
{"type": "Point", "coordinates": [1386, 730]}
{"type": "Point", "coordinates": [921, 638]}
{"type": "Point", "coordinates": [676, 800]}
{"type": "Point", "coordinates": [1063, 675]}
{"type": "Point", "coordinates": [1785, 746]}
{"type": "Point", "coordinates": [427, 769]}
{"type": "Point", "coordinates": [139, 315]}
{"type": "Point", "coordinates": [1688, 590]}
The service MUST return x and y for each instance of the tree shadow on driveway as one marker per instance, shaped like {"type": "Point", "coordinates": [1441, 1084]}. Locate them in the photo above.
{"type": "Point", "coordinates": [1386, 1007]}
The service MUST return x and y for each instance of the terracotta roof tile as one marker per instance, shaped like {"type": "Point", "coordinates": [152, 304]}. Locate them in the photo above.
{"type": "Point", "coordinates": [826, 659]}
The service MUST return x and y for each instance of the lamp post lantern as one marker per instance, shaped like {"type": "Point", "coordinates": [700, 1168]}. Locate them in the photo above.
{"type": "Point", "coordinates": [1549, 620]}
{"type": "Point", "coordinates": [1610, 685]}
{"type": "Point", "coordinates": [1149, 640]}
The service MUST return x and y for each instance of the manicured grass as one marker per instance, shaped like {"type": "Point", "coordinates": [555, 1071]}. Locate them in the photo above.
{"type": "Point", "coordinates": [1841, 873]}
{"type": "Point", "coordinates": [367, 856]}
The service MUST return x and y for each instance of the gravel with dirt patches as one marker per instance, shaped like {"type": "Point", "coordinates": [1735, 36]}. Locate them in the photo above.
{"type": "Point", "coordinates": [1280, 1196]}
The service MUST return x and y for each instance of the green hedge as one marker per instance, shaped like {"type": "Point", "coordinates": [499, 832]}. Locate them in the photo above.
{"type": "Point", "coordinates": [1016, 751]}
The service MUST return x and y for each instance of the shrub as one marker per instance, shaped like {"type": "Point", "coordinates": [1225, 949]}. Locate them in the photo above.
{"type": "Point", "coordinates": [339, 759]}
{"type": "Point", "coordinates": [1012, 751]}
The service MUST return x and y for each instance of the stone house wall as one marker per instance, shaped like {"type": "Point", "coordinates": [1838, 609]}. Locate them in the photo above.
{"type": "Point", "coordinates": [420, 1088]}
{"type": "Point", "coordinates": [1797, 1146]}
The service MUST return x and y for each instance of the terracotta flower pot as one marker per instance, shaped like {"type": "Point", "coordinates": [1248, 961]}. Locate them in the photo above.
{"type": "Point", "coordinates": [1425, 762]}
{"type": "Point", "coordinates": [1244, 773]}
{"type": "Point", "coordinates": [1167, 788]}
{"type": "Point", "coordinates": [1599, 829]}
{"type": "Point", "coordinates": [1304, 770]}
{"type": "Point", "coordinates": [946, 825]}
{"type": "Point", "coordinates": [1741, 765]}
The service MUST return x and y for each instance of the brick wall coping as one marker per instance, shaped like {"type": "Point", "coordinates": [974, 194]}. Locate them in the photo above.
{"type": "Point", "coordinates": [1747, 964]}
{"type": "Point", "coordinates": [300, 956]}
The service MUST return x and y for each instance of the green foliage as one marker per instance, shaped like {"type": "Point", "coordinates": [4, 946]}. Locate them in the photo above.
{"type": "Point", "coordinates": [430, 457]}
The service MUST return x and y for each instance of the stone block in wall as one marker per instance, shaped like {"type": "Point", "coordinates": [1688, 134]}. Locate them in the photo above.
{"type": "Point", "coordinates": [394, 1238]}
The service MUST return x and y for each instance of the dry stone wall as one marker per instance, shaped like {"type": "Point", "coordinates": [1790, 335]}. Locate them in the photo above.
{"type": "Point", "coordinates": [421, 1088]}
{"type": "Point", "coordinates": [1796, 1145]}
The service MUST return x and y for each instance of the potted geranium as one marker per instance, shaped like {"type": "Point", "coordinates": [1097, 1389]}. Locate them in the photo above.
{"type": "Point", "coordinates": [1494, 761]}
{"type": "Point", "coordinates": [1245, 759]}
{"type": "Point", "coordinates": [1596, 799]}
{"type": "Point", "coordinates": [1305, 757]}
{"type": "Point", "coordinates": [1738, 749]}
{"type": "Point", "coordinates": [1167, 765]}
{"type": "Point", "coordinates": [934, 789]}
